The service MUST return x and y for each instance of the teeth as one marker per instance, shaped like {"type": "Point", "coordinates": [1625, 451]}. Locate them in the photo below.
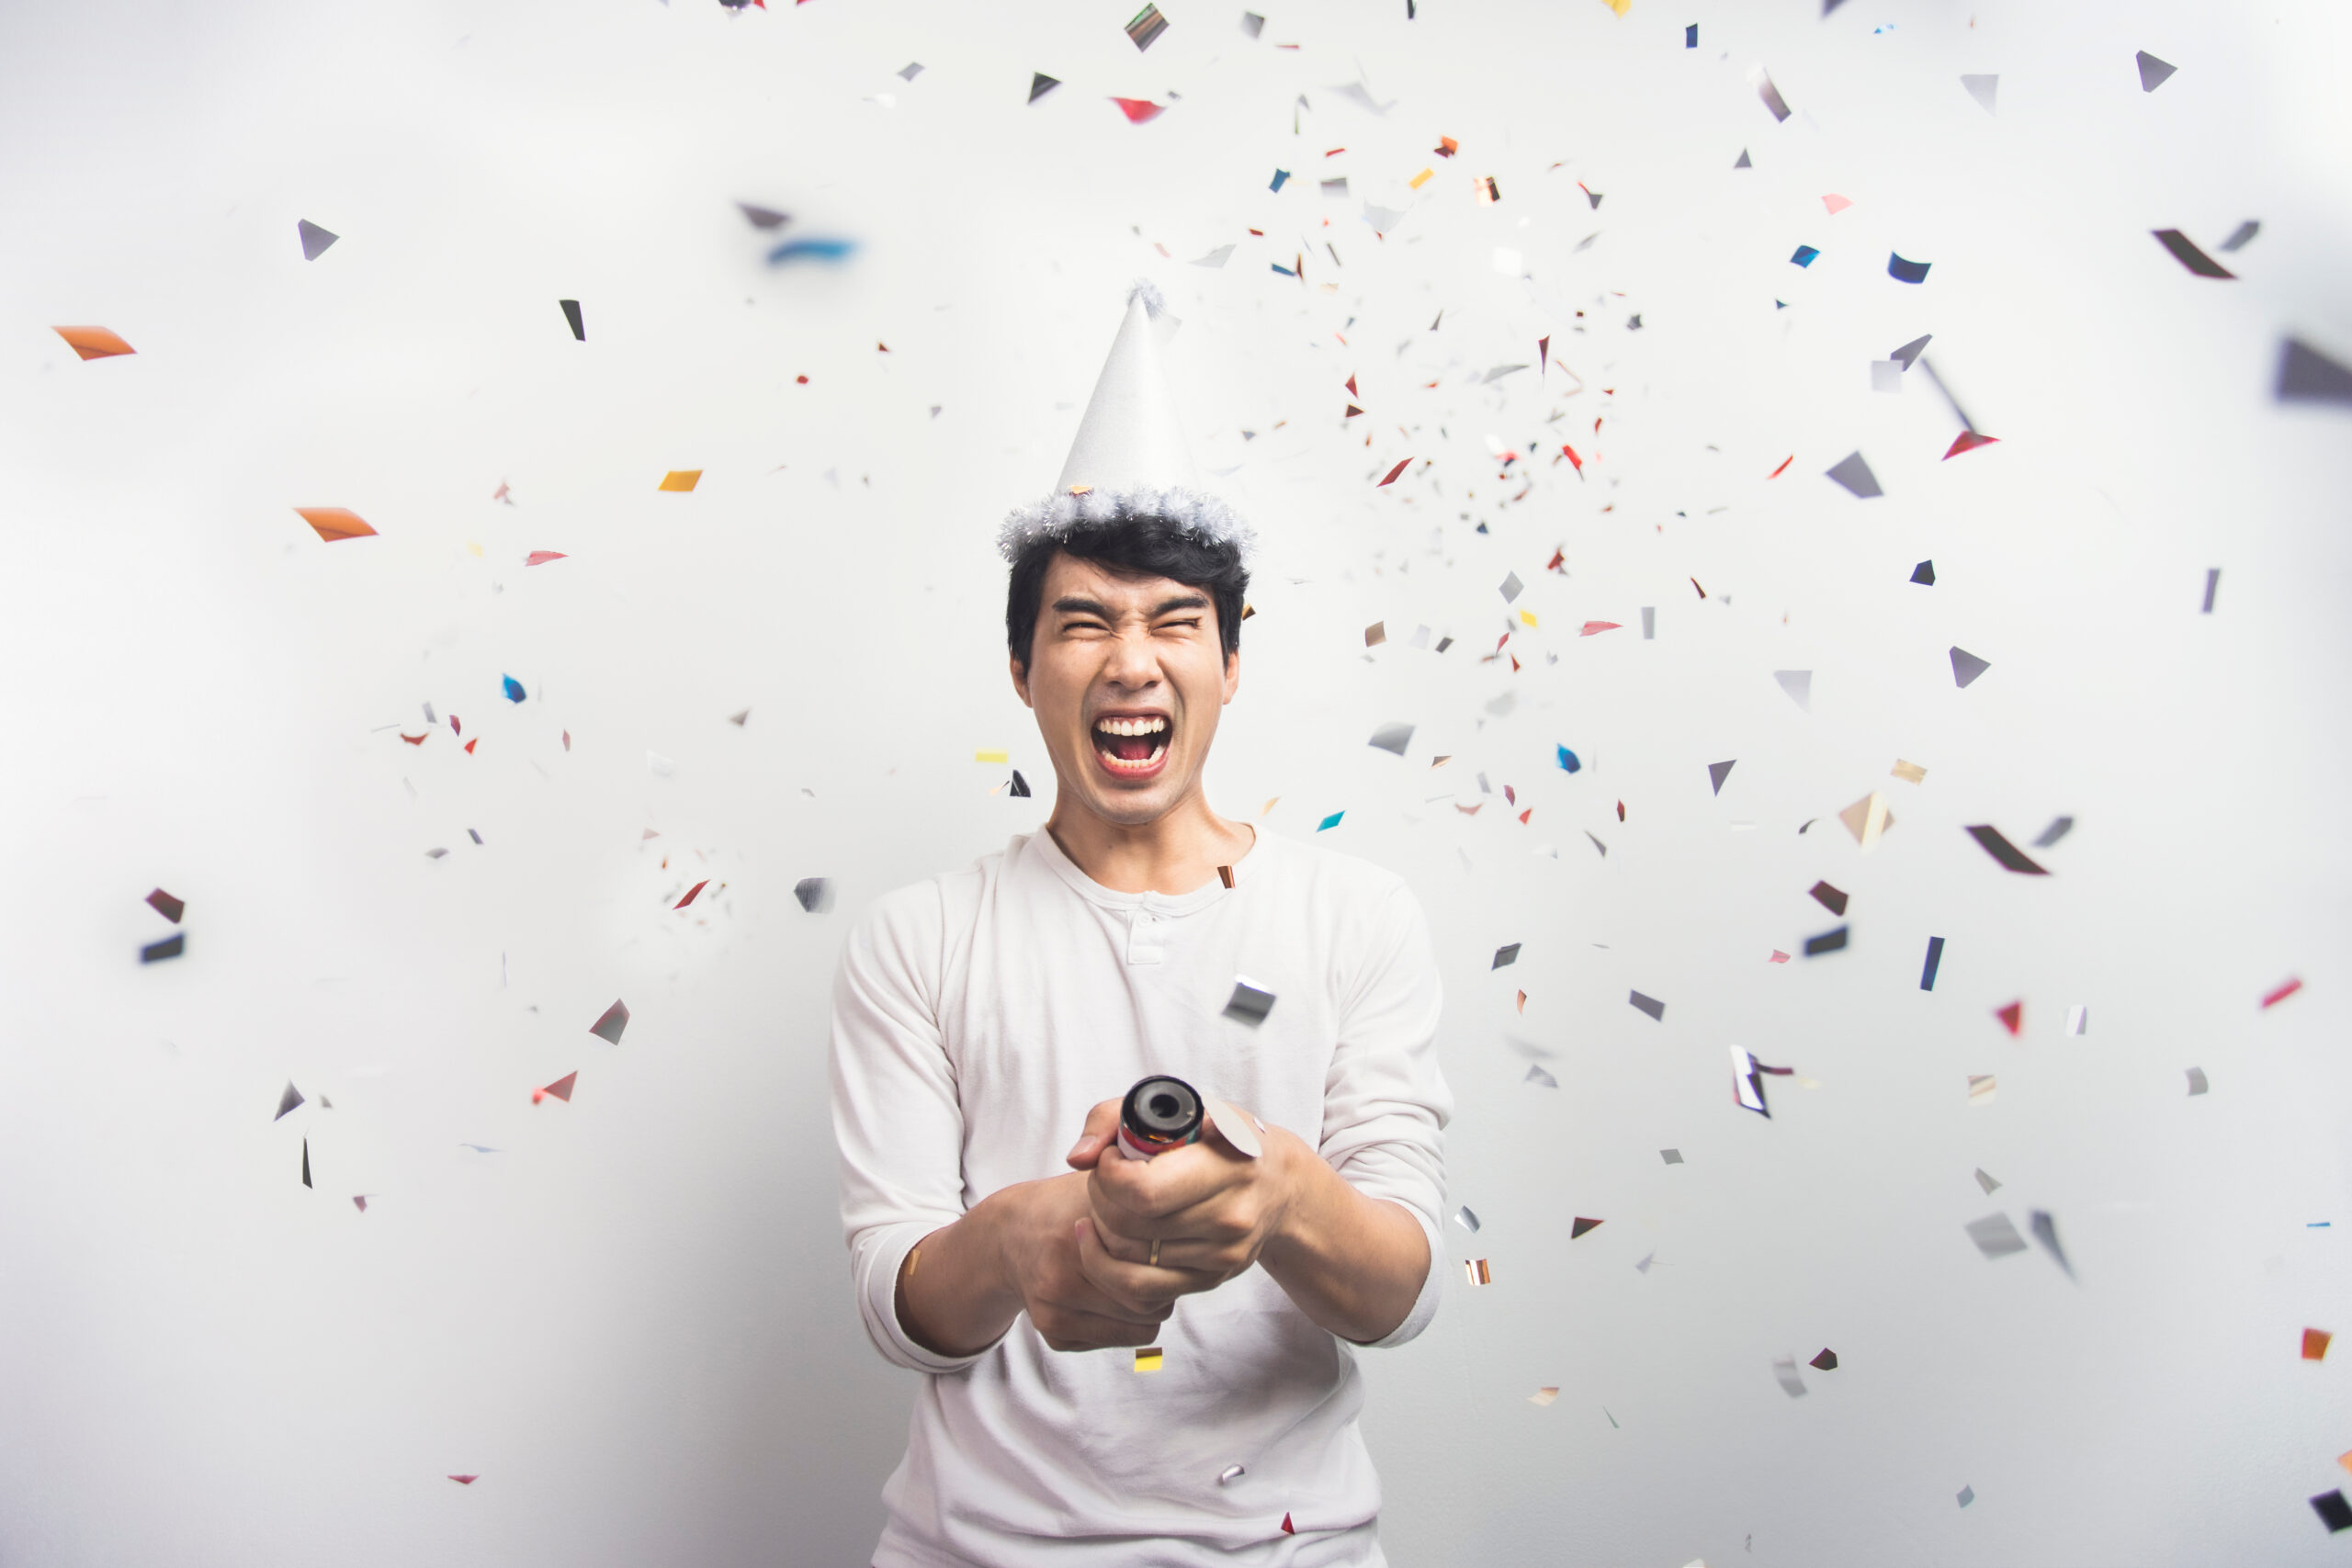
{"type": "Point", "coordinates": [1157, 753]}
{"type": "Point", "coordinates": [1152, 726]}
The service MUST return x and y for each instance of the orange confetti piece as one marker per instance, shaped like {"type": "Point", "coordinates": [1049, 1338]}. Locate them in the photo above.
{"type": "Point", "coordinates": [680, 479]}
{"type": "Point", "coordinates": [1522, 1001]}
{"type": "Point", "coordinates": [1446, 147]}
{"type": "Point", "coordinates": [2316, 1342]}
{"type": "Point", "coordinates": [335, 522]}
{"type": "Point", "coordinates": [92, 342]}
{"type": "Point", "coordinates": [1417, 182]}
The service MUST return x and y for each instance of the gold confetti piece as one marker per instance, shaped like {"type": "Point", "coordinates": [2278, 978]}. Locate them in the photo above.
{"type": "Point", "coordinates": [1620, 7]}
{"type": "Point", "coordinates": [1528, 617]}
{"type": "Point", "coordinates": [681, 479]}
{"type": "Point", "coordinates": [1417, 182]}
{"type": "Point", "coordinates": [991, 756]}
{"type": "Point", "coordinates": [1909, 773]}
{"type": "Point", "coordinates": [473, 549]}
{"type": "Point", "coordinates": [1269, 806]}
{"type": "Point", "coordinates": [1147, 1359]}
{"type": "Point", "coordinates": [1867, 818]}
{"type": "Point", "coordinates": [1476, 1269]}
{"type": "Point", "coordinates": [1544, 1396]}
{"type": "Point", "coordinates": [1375, 634]}
{"type": "Point", "coordinates": [97, 343]}
{"type": "Point", "coordinates": [333, 522]}
{"type": "Point", "coordinates": [1980, 1088]}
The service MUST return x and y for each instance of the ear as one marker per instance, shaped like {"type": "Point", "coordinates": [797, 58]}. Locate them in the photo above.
{"type": "Point", "coordinates": [1021, 681]}
{"type": "Point", "coordinates": [1232, 673]}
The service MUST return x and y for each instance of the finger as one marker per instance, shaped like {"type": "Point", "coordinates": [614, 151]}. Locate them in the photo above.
{"type": "Point", "coordinates": [1081, 1292]}
{"type": "Point", "coordinates": [1137, 1286]}
{"type": "Point", "coordinates": [1146, 1190]}
{"type": "Point", "coordinates": [1101, 1123]}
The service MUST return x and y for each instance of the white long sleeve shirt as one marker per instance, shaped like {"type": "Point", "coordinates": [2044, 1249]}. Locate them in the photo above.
{"type": "Point", "coordinates": [976, 1018]}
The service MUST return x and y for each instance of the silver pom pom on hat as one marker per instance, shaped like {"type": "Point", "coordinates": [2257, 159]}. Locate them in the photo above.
{"type": "Point", "coordinates": [1129, 460]}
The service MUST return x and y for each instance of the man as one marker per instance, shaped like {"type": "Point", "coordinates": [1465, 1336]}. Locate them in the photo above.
{"type": "Point", "coordinates": [984, 1018]}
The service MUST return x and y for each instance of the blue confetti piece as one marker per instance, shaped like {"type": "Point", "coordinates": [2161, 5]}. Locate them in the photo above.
{"type": "Point", "coordinates": [1805, 255]}
{"type": "Point", "coordinates": [1906, 271]}
{"type": "Point", "coordinates": [514, 689]}
{"type": "Point", "coordinates": [1284, 270]}
{"type": "Point", "coordinates": [1331, 821]}
{"type": "Point", "coordinates": [1282, 177]}
{"type": "Point", "coordinates": [811, 249]}
{"type": "Point", "coordinates": [1569, 762]}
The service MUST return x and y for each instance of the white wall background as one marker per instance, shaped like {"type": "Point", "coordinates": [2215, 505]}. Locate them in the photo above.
{"type": "Point", "coordinates": [632, 1320]}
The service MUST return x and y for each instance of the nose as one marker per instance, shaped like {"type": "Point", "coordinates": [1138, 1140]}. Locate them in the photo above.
{"type": "Point", "coordinates": [1134, 664]}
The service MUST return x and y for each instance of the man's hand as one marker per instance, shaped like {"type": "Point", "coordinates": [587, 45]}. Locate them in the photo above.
{"type": "Point", "coordinates": [1053, 1260]}
{"type": "Point", "coordinates": [1211, 1210]}
{"type": "Point", "coordinates": [1352, 1264]}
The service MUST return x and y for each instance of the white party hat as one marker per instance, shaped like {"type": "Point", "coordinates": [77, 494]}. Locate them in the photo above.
{"type": "Point", "coordinates": [1129, 460]}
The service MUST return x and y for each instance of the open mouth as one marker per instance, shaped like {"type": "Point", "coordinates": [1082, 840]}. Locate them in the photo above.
{"type": "Point", "coordinates": [1132, 747]}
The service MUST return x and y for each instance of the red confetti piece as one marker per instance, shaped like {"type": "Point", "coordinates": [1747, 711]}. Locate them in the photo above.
{"type": "Point", "coordinates": [541, 558]}
{"type": "Point", "coordinates": [1139, 110]}
{"type": "Point", "coordinates": [1352, 387]}
{"type": "Point", "coordinates": [1783, 469]}
{"type": "Point", "coordinates": [464, 1480]}
{"type": "Point", "coordinates": [1593, 628]}
{"type": "Point", "coordinates": [2282, 993]}
{"type": "Point", "coordinates": [415, 739]}
{"type": "Point", "coordinates": [1967, 441]}
{"type": "Point", "coordinates": [690, 894]}
{"type": "Point", "coordinates": [471, 744]}
{"type": "Point", "coordinates": [1621, 811]}
{"type": "Point", "coordinates": [2012, 1016]}
{"type": "Point", "coordinates": [1289, 1528]}
{"type": "Point", "coordinates": [561, 1089]}
{"type": "Point", "coordinates": [1570, 453]}
{"type": "Point", "coordinates": [1525, 814]}
{"type": "Point", "coordinates": [1399, 469]}
{"type": "Point", "coordinates": [1778, 957]}
{"type": "Point", "coordinates": [1694, 583]}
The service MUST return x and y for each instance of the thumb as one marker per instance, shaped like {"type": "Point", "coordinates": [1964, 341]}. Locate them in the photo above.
{"type": "Point", "coordinates": [1100, 1123]}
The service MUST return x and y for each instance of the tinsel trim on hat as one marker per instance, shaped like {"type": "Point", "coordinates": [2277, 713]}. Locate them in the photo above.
{"type": "Point", "coordinates": [1191, 510]}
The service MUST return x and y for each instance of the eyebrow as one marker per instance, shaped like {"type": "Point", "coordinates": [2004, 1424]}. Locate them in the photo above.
{"type": "Point", "coordinates": [1074, 605]}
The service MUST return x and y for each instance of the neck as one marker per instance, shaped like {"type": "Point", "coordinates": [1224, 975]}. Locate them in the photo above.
{"type": "Point", "coordinates": [1173, 853]}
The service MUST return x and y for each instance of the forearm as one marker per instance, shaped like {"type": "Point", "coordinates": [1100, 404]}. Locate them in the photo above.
{"type": "Point", "coordinates": [955, 1295]}
{"type": "Point", "coordinates": [1355, 1264]}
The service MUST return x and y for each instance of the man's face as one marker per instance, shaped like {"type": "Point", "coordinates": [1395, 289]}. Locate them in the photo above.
{"type": "Point", "coordinates": [1126, 675]}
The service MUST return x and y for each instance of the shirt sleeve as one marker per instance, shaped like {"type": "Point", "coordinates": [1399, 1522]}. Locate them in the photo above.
{"type": "Point", "coordinates": [896, 1120]}
{"type": "Point", "coordinates": [1385, 1104]}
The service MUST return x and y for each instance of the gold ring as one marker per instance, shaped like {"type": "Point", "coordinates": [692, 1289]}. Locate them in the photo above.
{"type": "Point", "coordinates": [1154, 1255]}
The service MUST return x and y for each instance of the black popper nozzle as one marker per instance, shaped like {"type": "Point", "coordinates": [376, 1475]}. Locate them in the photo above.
{"type": "Point", "coordinates": [1159, 1115]}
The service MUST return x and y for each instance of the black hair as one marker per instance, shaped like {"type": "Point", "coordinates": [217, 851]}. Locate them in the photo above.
{"type": "Point", "coordinates": [1133, 547]}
